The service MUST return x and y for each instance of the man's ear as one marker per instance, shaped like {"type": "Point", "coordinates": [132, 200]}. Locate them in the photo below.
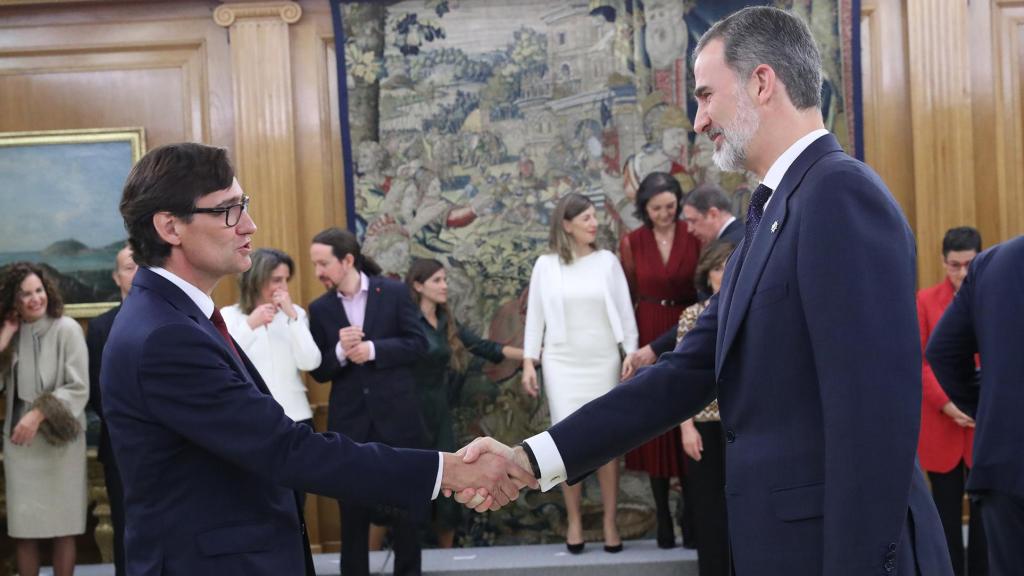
{"type": "Point", "coordinates": [765, 83]}
{"type": "Point", "coordinates": [166, 225]}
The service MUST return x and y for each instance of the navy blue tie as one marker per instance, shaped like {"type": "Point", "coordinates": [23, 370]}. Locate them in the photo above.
{"type": "Point", "coordinates": [754, 213]}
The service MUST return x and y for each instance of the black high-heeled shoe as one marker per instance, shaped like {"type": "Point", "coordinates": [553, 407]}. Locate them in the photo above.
{"type": "Point", "coordinates": [613, 549]}
{"type": "Point", "coordinates": [575, 548]}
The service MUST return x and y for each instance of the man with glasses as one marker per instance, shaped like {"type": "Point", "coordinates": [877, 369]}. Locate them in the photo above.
{"type": "Point", "coordinates": [210, 462]}
{"type": "Point", "coordinates": [947, 433]}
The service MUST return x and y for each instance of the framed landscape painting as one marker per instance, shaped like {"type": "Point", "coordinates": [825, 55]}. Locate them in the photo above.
{"type": "Point", "coordinates": [59, 192]}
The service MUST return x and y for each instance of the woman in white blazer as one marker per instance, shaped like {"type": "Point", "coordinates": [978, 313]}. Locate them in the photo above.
{"type": "Point", "coordinates": [580, 311]}
{"type": "Point", "coordinates": [273, 332]}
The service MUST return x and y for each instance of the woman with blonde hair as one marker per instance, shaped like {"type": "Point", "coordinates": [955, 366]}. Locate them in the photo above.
{"type": "Point", "coordinates": [579, 310]}
{"type": "Point", "coordinates": [44, 365]}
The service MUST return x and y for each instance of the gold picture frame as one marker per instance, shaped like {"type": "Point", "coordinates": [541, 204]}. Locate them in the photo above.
{"type": "Point", "coordinates": [60, 198]}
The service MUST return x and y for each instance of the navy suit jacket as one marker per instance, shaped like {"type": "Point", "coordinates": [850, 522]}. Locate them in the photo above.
{"type": "Point", "coordinates": [378, 395]}
{"type": "Point", "coordinates": [96, 338]}
{"type": "Point", "coordinates": [812, 350]}
{"type": "Point", "coordinates": [209, 459]}
{"type": "Point", "coordinates": [987, 317]}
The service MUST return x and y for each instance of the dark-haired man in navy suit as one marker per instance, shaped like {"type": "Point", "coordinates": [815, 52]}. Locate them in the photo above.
{"type": "Point", "coordinates": [368, 331]}
{"type": "Point", "coordinates": [210, 463]}
{"type": "Point", "coordinates": [811, 346]}
{"type": "Point", "coordinates": [987, 317]}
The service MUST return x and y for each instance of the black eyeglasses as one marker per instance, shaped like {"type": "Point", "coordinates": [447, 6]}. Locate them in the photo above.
{"type": "Point", "coordinates": [232, 213]}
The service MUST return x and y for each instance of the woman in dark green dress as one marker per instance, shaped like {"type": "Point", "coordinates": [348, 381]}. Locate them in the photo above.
{"type": "Point", "coordinates": [446, 358]}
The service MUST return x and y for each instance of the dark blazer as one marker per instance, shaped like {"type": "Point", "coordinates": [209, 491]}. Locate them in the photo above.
{"type": "Point", "coordinates": [208, 458]}
{"type": "Point", "coordinates": [381, 393]}
{"type": "Point", "coordinates": [812, 350]}
{"type": "Point", "coordinates": [96, 338]}
{"type": "Point", "coordinates": [733, 233]}
{"type": "Point", "coordinates": [987, 317]}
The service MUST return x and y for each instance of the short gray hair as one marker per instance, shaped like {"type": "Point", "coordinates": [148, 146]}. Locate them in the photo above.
{"type": "Point", "coordinates": [708, 196]}
{"type": "Point", "coordinates": [764, 35]}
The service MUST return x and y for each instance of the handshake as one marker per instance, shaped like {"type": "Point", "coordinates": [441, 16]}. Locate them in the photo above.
{"type": "Point", "coordinates": [486, 474]}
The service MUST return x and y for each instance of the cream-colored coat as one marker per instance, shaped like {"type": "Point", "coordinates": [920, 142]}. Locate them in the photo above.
{"type": "Point", "coordinates": [46, 485]}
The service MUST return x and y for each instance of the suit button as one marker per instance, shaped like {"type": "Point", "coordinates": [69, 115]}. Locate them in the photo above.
{"type": "Point", "coordinates": [892, 548]}
{"type": "Point", "coordinates": [730, 436]}
{"type": "Point", "coordinates": [889, 566]}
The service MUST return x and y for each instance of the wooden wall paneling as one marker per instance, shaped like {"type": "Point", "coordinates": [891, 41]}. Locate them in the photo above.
{"type": "Point", "coordinates": [264, 152]}
{"type": "Point", "coordinates": [941, 120]}
{"type": "Point", "coordinates": [888, 138]}
{"type": "Point", "coordinates": [1006, 157]}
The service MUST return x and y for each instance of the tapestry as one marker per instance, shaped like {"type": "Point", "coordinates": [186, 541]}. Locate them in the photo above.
{"type": "Point", "coordinates": [467, 120]}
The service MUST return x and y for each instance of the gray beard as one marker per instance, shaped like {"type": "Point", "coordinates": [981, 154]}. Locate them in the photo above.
{"type": "Point", "coordinates": [732, 156]}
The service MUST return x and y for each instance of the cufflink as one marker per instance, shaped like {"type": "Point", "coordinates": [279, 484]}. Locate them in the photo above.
{"type": "Point", "coordinates": [775, 227]}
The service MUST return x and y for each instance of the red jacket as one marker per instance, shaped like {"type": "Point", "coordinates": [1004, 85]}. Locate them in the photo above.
{"type": "Point", "coordinates": [942, 442]}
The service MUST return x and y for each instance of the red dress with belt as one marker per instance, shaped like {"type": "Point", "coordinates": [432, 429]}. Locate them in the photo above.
{"type": "Point", "coordinates": [660, 292]}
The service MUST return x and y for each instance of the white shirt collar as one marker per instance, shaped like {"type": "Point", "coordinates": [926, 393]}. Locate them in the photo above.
{"type": "Point", "coordinates": [202, 299]}
{"type": "Point", "coordinates": [773, 177]}
{"type": "Point", "coordinates": [364, 286]}
{"type": "Point", "coordinates": [726, 225]}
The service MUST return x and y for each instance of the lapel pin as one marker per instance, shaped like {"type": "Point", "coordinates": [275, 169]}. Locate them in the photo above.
{"type": "Point", "coordinates": [775, 227]}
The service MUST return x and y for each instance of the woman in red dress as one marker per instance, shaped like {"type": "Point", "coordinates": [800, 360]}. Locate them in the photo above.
{"type": "Point", "coordinates": [660, 260]}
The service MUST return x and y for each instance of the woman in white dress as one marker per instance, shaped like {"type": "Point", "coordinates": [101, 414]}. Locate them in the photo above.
{"type": "Point", "coordinates": [273, 332]}
{"type": "Point", "coordinates": [580, 311]}
{"type": "Point", "coordinates": [44, 365]}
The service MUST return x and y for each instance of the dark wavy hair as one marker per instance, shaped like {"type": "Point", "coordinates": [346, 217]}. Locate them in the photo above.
{"type": "Point", "coordinates": [711, 257]}
{"type": "Point", "coordinates": [170, 178]}
{"type": "Point", "coordinates": [343, 243]}
{"type": "Point", "coordinates": [653, 184]}
{"type": "Point", "coordinates": [420, 271]}
{"type": "Point", "coordinates": [11, 277]}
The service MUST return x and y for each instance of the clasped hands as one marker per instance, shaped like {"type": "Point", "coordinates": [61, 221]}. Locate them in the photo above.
{"type": "Point", "coordinates": [486, 474]}
{"type": "Point", "coordinates": [356, 349]}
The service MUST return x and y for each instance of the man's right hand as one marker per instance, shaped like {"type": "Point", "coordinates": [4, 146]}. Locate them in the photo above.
{"type": "Point", "coordinates": [961, 419]}
{"type": "Point", "coordinates": [349, 336]}
{"type": "Point", "coordinates": [487, 482]}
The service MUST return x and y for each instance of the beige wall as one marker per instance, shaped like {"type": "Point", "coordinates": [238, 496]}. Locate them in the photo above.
{"type": "Point", "coordinates": [943, 115]}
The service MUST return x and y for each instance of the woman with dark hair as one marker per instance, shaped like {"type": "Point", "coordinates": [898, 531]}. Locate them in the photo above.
{"type": "Point", "coordinates": [703, 439]}
{"type": "Point", "coordinates": [579, 309]}
{"type": "Point", "coordinates": [274, 332]}
{"type": "Point", "coordinates": [659, 259]}
{"type": "Point", "coordinates": [44, 367]}
{"type": "Point", "coordinates": [446, 358]}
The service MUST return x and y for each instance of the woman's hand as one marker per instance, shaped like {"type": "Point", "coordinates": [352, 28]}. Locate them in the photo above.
{"type": "Point", "coordinates": [262, 315]}
{"type": "Point", "coordinates": [530, 385]}
{"type": "Point", "coordinates": [693, 444]}
{"type": "Point", "coordinates": [25, 431]}
{"type": "Point", "coordinates": [283, 300]}
{"type": "Point", "coordinates": [9, 329]}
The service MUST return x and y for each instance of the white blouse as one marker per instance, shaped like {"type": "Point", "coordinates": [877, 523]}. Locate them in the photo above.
{"type": "Point", "coordinates": [545, 313]}
{"type": "Point", "coordinates": [279, 350]}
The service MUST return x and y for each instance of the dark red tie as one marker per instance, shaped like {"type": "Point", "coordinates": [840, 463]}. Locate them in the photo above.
{"type": "Point", "coordinates": [218, 322]}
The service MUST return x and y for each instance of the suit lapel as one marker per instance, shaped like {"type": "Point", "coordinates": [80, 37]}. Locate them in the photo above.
{"type": "Point", "coordinates": [373, 298]}
{"type": "Point", "coordinates": [153, 281]}
{"type": "Point", "coordinates": [742, 280]}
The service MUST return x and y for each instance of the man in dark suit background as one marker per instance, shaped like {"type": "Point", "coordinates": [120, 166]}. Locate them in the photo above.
{"type": "Point", "coordinates": [708, 215]}
{"type": "Point", "coordinates": [987, 317]}
{"type": "Point", "coordinates": [811, 347]}
{"type": "Point", "coordinates": [96, 339]}
{"type": "Point", "coordinates": [367, 329]}
{"type": "Point", "coordinates": [210, 462]}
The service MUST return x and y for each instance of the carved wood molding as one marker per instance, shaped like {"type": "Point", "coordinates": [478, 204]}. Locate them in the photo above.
{"type": "Point", "coordinates": [226, 14]}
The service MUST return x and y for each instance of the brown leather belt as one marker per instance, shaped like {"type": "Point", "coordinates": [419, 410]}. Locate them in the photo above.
{"type": "Point", "coordinates": [661, 301]}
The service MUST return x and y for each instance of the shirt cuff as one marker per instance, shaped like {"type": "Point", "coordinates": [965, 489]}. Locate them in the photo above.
{"type": "Point", "coordinates": [549, 461]}
{"type": "Point", "coordinates": [440, 469]}
{"type": "Point", "coordinates": [373, 350]}
{"type": "Point", "coordinates": [339, 353]}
